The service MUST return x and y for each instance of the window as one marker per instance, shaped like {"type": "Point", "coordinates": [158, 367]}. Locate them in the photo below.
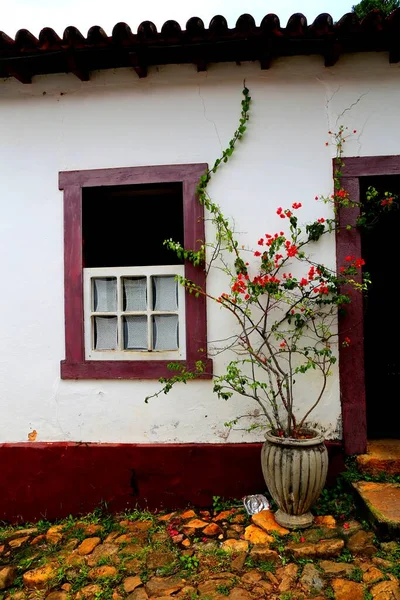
{"type": "Point", "coordinates": [126, 315]}
{"type": "Point", "coordinates": [132, 313]}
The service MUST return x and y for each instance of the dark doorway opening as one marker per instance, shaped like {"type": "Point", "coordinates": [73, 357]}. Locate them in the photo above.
{"type": "Point", "coordinates": [380, 249]}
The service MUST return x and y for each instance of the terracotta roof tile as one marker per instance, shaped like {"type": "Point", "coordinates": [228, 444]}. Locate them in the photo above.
{"type": "Point", "coordinates": [26, 56]}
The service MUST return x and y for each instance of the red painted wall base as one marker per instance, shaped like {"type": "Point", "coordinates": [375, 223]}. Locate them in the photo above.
{"type": "Point", "coordinates": [54, 480]}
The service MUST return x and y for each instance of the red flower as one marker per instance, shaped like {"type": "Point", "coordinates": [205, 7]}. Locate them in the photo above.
{"type": "Point", "coordinates": [326, 143]}
{"type": "Point", "coordinates": [257, 253]}
{"type": "Point", "coordinates": [288, 213]}
{"type": "Point", "coordinates": [291, 249]}
{"type": "Point", "coordinates": [261, 242]}
{"type": "Point", "coordinates": [302, 540]}
{"type": "Point", "coordinates": [359, 262]}
{"type": "Point", "coordinates": [322, 289]}
{"type": "Point", "coordinates": [247, 296]}
{"type": "Point", "coordinates": [346, 526]}
{"type": "Point", "coordinates": [282, 216]}
{"type": "Point", "coordinates": [279, 210]}
{"type": "Point", "coordinates": [296, 205]}
{"type": "Point", "coordinates": [346, 342]}
{"type": "Point", "coordinates": [303, 281]}
{"type": "Point", "coordinates": [282, 344]}
{"type": "Point", "coordinates": [349, 258]}
{"type": "Point", "coordinates": [354, 130]}
{"type": "Point", "coordinates": [316, 197]}
{"type": "Point", "coordinates": [321, 220]}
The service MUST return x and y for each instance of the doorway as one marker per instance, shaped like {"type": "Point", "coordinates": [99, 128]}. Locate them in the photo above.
{"type": "Point", "coordinates": [380, 250]}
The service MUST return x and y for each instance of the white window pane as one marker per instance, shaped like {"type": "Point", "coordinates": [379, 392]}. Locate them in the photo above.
{"type": "Point", "coordinates": [165, 293]}
{"type": "Point", "coordinates": [135, 333]}
{"type": "Point", "coordinates": [105, 333]}
{"type": "Point", "coordinates": [105, 294]}
{"type": "Point", "coordinates": [165, 332]}
{"type": "Point", "coordinates": [135, 293]}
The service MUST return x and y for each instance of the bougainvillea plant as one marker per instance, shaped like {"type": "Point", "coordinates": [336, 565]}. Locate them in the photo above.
{"type": "Point", "coordinates": [283, 301]}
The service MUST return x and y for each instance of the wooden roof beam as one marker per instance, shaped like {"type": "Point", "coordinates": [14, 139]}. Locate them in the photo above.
{"type": "Point", "coordinates": [332, 52]}
{"type": "Point", "coordinates": [18, 72]}
{"type": "Point", "coordinates": [74, 65]}
{"type": "Point", "coordinates": [138, 64]}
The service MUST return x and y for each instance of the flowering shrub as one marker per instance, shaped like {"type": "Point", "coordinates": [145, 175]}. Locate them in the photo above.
{"type": "Point", "coordinates": [284, 301]}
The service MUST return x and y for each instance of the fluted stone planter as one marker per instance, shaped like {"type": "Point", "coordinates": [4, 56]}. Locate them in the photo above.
{"type": "Point", "coordinates": [295, 473]}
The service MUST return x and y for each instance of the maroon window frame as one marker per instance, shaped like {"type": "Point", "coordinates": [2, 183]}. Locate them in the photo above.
{"type": "Point", "coordinates": [351, 359]}
{"type": "Point", "coordinates": [72, 182]}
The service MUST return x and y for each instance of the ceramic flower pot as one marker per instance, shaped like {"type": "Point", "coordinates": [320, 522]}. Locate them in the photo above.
{"type": "Point", "coordinates": [295, 473]}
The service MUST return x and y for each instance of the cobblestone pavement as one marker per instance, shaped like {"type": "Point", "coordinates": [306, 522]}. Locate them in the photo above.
{"type": "Point", "coordinates": [196, 554]}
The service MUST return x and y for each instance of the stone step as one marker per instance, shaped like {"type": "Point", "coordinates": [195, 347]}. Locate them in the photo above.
{"type": "Point", "coordinates": [381, 504]}
{"type": "Point", "coordinates": [383, 456]}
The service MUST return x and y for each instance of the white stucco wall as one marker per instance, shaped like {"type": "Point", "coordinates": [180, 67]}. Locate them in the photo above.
{"type": "Point", "coordinates": [175, 115]}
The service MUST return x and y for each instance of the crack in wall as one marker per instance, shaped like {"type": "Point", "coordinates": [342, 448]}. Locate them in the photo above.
{"type": "Point", "coordinates": [207, 119]}
{"type": "Point", "coordinates": [330, 117]}
{"type": "Point", "coordinates": [352, 105]}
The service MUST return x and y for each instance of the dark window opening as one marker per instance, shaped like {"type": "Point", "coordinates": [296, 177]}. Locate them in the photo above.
{"type": "Point", "coordinates": [125, 226]}
{"type": "Point", "coordinates": [381, 323]}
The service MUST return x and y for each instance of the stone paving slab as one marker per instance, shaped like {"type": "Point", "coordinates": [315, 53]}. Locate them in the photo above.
{"type": "Point", "coordinates": [382, 501]}
{"type": "Point", "coordinates": [383, 456]}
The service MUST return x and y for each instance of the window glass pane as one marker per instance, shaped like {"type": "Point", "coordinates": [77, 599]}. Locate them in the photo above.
{"type": "Point", "coordinates": [135, 293]}
{"type": "Point", "coordinates": [165, 332]}
{"type": "Point", "coordinates": [135, 333]}
{"type": "Point", "coordinates": [165, 293]}
{"type": "Point", "coordinates": [105, 333]}
{"type": "Point", "coordinates": [105, 294]}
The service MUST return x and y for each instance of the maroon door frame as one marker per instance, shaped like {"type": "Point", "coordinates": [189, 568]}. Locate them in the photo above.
{"type": "Point", "coordinates": [351, 359]}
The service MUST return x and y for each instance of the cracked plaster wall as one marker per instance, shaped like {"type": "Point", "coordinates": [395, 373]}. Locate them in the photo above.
{"type": "Point", "coordinates": [175, 115]}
